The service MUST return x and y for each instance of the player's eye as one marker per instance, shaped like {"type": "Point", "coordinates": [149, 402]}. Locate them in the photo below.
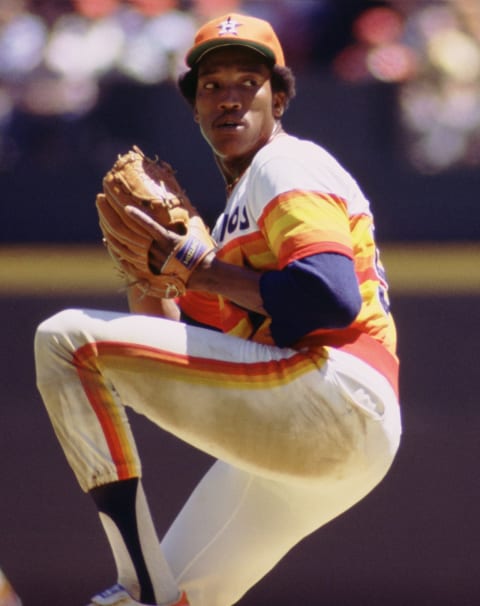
{"type": "Point", "coordinates": [207, 83]}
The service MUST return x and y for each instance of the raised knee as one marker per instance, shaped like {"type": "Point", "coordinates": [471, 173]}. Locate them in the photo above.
{"type": "Point", "coordinates": [53, 326]}
{"type": "Point", "coordinates": [53, 341]}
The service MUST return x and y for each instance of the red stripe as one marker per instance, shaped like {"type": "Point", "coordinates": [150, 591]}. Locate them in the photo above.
{"type": "Point", "coordinates": [373, 353]}
{"type": "Point", "coordinates": [290, 251]}
{"type": "Point", "coordinates": [97, 394]}
{"type": "Point", "coordinates": [254, 371]}
{"type": "Point", "coordinates": [362, 346]}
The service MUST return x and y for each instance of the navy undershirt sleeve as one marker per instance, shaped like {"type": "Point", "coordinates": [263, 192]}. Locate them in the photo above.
{"type": "Point", "coordinates": [320, 291]}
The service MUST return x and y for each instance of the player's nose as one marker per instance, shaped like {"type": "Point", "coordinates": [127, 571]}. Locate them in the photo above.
{"type": "Point", "coordinates": [230, 99]}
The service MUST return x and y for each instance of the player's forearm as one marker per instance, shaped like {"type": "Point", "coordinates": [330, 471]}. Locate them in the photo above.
{"type": "Point", "coordinates": [238, 284]}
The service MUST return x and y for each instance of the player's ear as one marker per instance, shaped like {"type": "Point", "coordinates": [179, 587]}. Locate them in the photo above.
{"type": "Point", "coordinates": [278, 104]}
{"type": "Point", "coordinates": [195, 114]}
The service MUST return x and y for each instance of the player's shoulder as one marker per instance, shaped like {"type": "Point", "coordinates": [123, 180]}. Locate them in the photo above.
{"type": "Point", "coordinates": [290, 163]}
{"type": "Point", "coordinates": [286, 152]}
{"type": "Point", "coordinates": [295, 163]}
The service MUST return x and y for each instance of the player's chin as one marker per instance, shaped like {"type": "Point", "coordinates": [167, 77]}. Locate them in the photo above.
{"type": "Point", "coordinates": [230, 141]}
{"type": "Point", "coordinates": [235, 147]}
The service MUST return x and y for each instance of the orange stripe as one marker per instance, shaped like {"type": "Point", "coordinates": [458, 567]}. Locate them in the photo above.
{"type": "Point", "coordinates": [105, 409]}
{"type": "Point", "coordinates": [295, 197]}
{"type": "Point", "coordinates": [207, 370]}
{"type": "Point", "coordinates": [296, 221]}
{"type": "Point", "coordinates": [251, 246]}
{"type": "Point", "coordinates": [293, 250]}
{"type": "Point", "coordinates": [366, 275]}
{"type": "Point", "coordinates": [202, 307]}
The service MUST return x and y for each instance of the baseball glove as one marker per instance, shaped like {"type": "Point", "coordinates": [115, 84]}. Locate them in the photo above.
{"type": "Point", "coordinates": [181, 239]}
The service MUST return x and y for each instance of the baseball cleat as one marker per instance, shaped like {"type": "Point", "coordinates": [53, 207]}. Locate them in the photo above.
{"type": "Point", "coordinates": [8, 597]}
{"type": "Point", "coordinates": [119, 596]}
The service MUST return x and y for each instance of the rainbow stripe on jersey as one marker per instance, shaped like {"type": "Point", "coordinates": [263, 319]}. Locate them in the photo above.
{"type": "Point", "coordinates": [293, 201]}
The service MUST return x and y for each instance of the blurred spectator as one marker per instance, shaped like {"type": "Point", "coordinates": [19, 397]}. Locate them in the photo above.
{"type": "Point", "coordinates": [158, 34]}
{"type": "Point", "coordinates": [58, 58]}
{"type": "Point", "coordinates": [83, 46]}
{"type": "Point", "coordinates": [22, 39]}
{"type": "Point", "coordinates": [86, 42]}
{"type": "Point", "coordinates": [440, 107]}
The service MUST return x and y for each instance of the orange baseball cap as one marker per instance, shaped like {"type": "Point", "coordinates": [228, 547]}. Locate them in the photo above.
{"type": "Point", "coordinates": [238, 30]}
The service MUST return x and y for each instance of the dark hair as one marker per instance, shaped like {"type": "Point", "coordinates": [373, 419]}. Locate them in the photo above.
{"type": "Point", "coordinates": [282, 80]}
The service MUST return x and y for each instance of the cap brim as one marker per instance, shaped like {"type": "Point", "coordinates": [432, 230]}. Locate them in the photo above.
{"type": "Point", "coordinates": [197, 53]}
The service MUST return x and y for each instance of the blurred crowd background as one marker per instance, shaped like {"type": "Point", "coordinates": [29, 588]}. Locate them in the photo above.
{"type": "Point", "coordinates": [81, 80]}
{"type": "Point", "coordinates": [393, 90]}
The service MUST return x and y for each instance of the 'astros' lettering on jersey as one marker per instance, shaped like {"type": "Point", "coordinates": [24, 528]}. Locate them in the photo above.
{"type": "Point", "coordinates": [295, 200]}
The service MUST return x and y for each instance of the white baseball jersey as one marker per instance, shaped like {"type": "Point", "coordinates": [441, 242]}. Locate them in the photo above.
{"type": "Point", "coordinates": [300, 433]}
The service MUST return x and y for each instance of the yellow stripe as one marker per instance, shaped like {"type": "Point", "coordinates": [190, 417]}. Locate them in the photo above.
{"type": "Point", "coordinates": [109, 414]}
{"type": "Point", "coordinates": [419, 268]}
{"type": "Point", "coordinates": [299, 213]}
{"type": "Point", "coordinates": [262, 375]}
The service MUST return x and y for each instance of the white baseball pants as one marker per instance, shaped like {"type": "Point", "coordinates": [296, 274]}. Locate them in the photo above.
{"type": "Point", "coordinates": [299, 436]}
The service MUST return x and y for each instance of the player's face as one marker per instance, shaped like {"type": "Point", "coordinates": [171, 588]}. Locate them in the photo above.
{"type": "Point", "coordinates": [234, 105]}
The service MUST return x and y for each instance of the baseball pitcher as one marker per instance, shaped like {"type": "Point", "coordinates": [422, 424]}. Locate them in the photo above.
{"type": "Point", "coordinates": [267, 343]}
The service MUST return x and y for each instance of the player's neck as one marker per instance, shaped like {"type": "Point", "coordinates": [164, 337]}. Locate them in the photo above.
{"type": "Point", "coordinates": [233, 169]}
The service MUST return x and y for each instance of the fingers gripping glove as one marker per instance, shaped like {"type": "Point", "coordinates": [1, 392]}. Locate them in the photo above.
{"type": "Point", "coordinates": [151, 186]}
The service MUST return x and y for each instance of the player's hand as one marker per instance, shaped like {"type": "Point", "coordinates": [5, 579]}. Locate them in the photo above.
{"type": "Point", "coordinates": [162, 240]}
{"type": "Point", "coordinates": [152, 231]}
{"type": "Point", "coordinates": [121, 235]}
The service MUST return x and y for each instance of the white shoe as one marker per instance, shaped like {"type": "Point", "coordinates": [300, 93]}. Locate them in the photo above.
{"type": "Point", "coordinates": [8, 597]}
{"type": "Point", "coordinates": [119, 596]}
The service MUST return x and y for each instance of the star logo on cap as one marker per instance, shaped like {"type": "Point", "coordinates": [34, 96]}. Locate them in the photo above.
{"type": "Point", "coordinates": [228, 27]}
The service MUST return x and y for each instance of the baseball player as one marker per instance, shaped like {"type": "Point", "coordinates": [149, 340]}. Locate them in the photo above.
{"type": "Point", "coordinates": [279, 360]}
